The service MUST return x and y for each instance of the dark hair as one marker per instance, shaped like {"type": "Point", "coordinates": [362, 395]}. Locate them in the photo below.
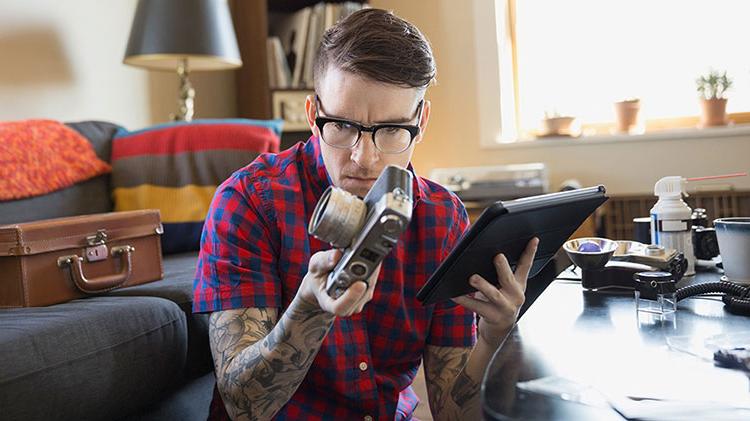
{"type": "Point", "coordinates": [379, 45]}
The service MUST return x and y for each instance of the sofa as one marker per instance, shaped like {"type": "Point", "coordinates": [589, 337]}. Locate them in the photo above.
{"type": "Point", "coordinates": [135, 353]}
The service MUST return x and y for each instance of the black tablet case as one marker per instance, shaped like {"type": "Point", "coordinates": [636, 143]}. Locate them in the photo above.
{"type": "Point", "coordinates": [498, 231]}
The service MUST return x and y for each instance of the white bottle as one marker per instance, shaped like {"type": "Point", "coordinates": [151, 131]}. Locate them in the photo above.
{"type": "Point", "coordinates": [671, 223]}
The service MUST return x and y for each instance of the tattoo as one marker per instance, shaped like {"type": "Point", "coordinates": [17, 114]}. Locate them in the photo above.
{"type": "Point", "coordinates": [464, 389]}
{"type": "Point", "coordinates": [259, 366]}
{"type": "Point", "coordinates": [451, 391]}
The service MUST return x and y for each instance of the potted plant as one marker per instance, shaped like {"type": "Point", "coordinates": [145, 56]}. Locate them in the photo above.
{"type": "Point", "coordinates": [555, 124]}
{"type": "Point", "coordinates": [712, 88]}
{"type": "Point", "coordinates": [626, 113]}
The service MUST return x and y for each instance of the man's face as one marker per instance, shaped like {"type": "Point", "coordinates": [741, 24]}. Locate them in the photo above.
{"type": "Point", "coordinates": [347, 96]}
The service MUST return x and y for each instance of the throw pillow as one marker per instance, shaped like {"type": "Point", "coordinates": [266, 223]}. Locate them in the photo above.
{"type": "Point", "coordinates": [42, 156]}
{"type": "Point", "coordinates": [176, 168]}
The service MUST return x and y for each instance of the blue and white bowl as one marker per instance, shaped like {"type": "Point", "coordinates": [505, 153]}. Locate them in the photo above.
{"type": "Point", "coordinates": [733, 235]}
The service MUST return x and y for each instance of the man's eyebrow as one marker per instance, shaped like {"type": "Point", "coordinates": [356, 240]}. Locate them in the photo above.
{"type": "Point", "coordinates": [401, 120]}
{"type": "Point", "coordinates": [396, 121]}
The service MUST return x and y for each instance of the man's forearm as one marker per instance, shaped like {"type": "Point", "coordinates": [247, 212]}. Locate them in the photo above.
{"type": "Point", "coordinates": [262, 377]}
{"type": "Point", "coordinates": [459, 398]}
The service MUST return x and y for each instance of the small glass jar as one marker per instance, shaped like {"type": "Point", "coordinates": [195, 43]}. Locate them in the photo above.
{"type": "Point", "coordinates": [655, 292]}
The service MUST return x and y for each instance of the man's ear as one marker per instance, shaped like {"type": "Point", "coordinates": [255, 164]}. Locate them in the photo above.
{"type": "Point", "coordinates": [310, 113]}
{"type": "Point", "coordinates": [424, 120]}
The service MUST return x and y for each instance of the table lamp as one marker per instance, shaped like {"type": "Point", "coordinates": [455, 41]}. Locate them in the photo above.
{"type": "Point", "coordinates": [183, 35]}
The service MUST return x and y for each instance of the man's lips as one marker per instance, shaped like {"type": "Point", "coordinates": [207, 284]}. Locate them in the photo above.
{"type": "Point", "coordinates": [360, 179]}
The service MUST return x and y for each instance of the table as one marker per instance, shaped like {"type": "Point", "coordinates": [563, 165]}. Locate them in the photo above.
{"type": "Point", "coordinates": [597, 338]}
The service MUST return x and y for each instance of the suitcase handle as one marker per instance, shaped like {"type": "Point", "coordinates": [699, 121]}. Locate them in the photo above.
{"type": "Point", "coordinates": [102, 283]}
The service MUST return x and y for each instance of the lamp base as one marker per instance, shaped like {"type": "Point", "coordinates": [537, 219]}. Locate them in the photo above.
{"type": "Point", "coordinates": [187, 95]}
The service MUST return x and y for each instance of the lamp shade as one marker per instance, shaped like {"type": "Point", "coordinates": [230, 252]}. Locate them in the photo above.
{"type": "Point", "coordinates": [167, 32]}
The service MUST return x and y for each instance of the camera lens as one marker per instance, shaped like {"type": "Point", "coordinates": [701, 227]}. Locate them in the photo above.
{"type": "Point", "coordinates": [337, 217]}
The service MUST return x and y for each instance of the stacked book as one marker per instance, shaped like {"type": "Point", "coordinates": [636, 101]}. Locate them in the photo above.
{"type": "Point", "coordinates": [294, 39]}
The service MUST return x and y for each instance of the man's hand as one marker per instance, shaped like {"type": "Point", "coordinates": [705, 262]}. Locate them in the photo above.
{"type": "Point", "coordinates": [313, 288]}
{"type": "Point", "coordinates": [499, 306]}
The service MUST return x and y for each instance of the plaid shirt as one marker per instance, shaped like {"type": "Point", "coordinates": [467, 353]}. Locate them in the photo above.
{"type": "Point", "coordinates": [254, 253]}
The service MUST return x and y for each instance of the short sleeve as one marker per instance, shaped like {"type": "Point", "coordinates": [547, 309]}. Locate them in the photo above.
{"type": "Point", "coordinates": [451, 324]}
{"type": "Point", "coordinates": [237, 264]}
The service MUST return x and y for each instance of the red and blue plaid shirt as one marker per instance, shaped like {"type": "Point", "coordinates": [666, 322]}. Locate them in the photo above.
{"type": "Point", "coordinates": [254, 253]}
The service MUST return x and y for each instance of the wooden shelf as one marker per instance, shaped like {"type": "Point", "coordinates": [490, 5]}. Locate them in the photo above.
{"type": "Point", "coordinates": [251, 24]}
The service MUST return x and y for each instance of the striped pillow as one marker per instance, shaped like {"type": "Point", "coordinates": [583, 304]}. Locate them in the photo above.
{"type": "Point", "coordinates": [176, 168]}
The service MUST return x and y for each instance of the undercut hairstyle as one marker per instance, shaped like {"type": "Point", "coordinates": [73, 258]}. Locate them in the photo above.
{"type": "Point", "coordinates": [378, 45]}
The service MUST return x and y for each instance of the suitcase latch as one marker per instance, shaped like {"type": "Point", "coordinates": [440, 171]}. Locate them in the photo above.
{"type": "Point", "coordinates": [99, 238]}
{"type": "Point", "coordinates": [98, 249]}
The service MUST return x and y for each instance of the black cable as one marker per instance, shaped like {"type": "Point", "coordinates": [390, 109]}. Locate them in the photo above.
{"type": "Point", "coordinates": [736, 297]}
{"type": "Point", "coordinates": [737, 305]}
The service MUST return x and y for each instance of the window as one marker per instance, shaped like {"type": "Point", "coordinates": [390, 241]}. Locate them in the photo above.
{"type": "Point", "coordinates": [578, 57]}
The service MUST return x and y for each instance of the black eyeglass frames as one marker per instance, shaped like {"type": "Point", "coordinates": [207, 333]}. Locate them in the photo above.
{"type": "Point", "coordinates": [345, 134]}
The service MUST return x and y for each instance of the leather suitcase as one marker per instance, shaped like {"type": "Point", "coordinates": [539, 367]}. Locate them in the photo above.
{"type": "Point", "coordinates": [57, 260]}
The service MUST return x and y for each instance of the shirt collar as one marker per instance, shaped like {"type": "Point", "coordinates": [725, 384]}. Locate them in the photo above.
{"type": "Point", "coordinates": [320, 180]}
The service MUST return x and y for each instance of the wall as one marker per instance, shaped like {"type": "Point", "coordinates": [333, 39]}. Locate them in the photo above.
{"type": "Point", "coordinates": [453, 136]}
{"type": "Point", "coordinates": [63, 60]}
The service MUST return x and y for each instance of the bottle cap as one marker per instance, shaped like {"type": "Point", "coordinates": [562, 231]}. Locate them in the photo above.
{"type": "Point", "coordinates": [670, 187]}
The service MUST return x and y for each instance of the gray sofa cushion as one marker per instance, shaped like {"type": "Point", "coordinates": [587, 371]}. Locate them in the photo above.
{"type": "Point", "coordinates": [177, 286]}
{"type": "Point", "coordinates": [94, 358]}
{"type": "Point", "coordinates": [90, 196]}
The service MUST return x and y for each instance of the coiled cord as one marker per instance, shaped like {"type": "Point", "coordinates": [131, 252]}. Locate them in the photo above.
{"type": "Point", "coordinates": [736, 297]}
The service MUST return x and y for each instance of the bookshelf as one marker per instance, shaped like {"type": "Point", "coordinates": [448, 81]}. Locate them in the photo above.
{"type": "Point", "coordinates": [261, 92]}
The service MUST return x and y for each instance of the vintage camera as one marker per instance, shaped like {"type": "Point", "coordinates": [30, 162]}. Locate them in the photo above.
{"type": "Point", "coordinates": [705, 244]}
{"type": "Point", "coordinates": [366, 229]}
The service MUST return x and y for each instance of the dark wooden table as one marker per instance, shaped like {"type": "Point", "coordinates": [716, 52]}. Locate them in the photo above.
{"type": "Point", "coordinates": [597, 338]}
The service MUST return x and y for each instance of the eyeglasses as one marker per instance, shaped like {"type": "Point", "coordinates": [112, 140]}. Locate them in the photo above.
{"type": "Point", "coordinates": [345, 134]}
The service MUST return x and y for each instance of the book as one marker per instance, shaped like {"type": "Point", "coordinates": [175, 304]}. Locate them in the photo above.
{"type": "Point", "coordinates": [292, 30]}
{"type": "Point", "coordinates": [332, 14]}
{"type": "Point", "coordinates": [314, 36]}
{"type": "Point", "coordinates": [283, 75]}
{"type": "Point", "coordinates": [271, 62]}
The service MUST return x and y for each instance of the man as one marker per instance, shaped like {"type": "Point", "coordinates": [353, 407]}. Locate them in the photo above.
{"type": "Point", "coordinates": [282, 347]}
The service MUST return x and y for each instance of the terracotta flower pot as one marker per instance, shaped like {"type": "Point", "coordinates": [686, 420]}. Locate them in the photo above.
{"type": "Point", "coordinates": [627, 114]}
{"type": "Point", "coordinates": [714, 112]}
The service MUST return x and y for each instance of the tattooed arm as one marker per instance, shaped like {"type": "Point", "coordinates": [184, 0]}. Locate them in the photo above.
{"type": "Point", "coordinates": [258, 365]}
{"type": "Point", "coordinates": [453, 377]}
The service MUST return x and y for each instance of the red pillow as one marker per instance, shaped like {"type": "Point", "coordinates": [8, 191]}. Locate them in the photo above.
{"type": "Point", "coordinates": [41, 156]}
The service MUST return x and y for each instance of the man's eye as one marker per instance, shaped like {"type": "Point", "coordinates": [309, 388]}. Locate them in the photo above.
{"type": "Point", "coordinates": [391, 130]}
{"type": "Point", "coordinates": [341, 126]}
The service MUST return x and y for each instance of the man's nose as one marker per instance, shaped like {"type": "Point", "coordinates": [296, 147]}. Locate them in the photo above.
{"type": "Point", "coordinates": [365, 154]}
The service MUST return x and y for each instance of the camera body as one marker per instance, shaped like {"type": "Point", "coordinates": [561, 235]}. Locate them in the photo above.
{"type": "Point", "coordinates": [367, 229]}
{"type": "Point", "coordinates": [705, 244]}
{"type": "Point", "coordinates": [653, 255]}
{"type": "Point", "coordinates": [616, 262]}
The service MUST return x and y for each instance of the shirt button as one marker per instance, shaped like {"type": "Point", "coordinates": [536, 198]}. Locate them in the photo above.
{"type": "Point", "coordinates": [363, 367]}
{"type": "Point", "coordinates": [368, 418]}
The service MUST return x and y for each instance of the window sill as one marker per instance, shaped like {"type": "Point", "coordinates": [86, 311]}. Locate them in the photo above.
{"type": "Point", "coordinates": [742, 130]}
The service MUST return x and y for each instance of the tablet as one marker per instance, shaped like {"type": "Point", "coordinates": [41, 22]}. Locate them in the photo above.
{"type": "Point", "coordinates": [506, 227]}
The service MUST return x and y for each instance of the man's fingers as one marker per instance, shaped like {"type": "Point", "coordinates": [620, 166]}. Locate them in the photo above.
{"type": "Point", "coordinates": [525, 262]}
{"type": "Point", "coordinates": [505, 275]}
{"type": "Point", "coordinates": [371, 282]}
{"type": "Point", "coordinates": [509, 284]}
{"type": "Point", "coordinates": [504, 296]}
{"type": "Point", "coordinates": [348, 301]}
{"type": "Point", "coordinates": [485, 309]}
{"type": "Point", "coordinates": [323, 261]}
